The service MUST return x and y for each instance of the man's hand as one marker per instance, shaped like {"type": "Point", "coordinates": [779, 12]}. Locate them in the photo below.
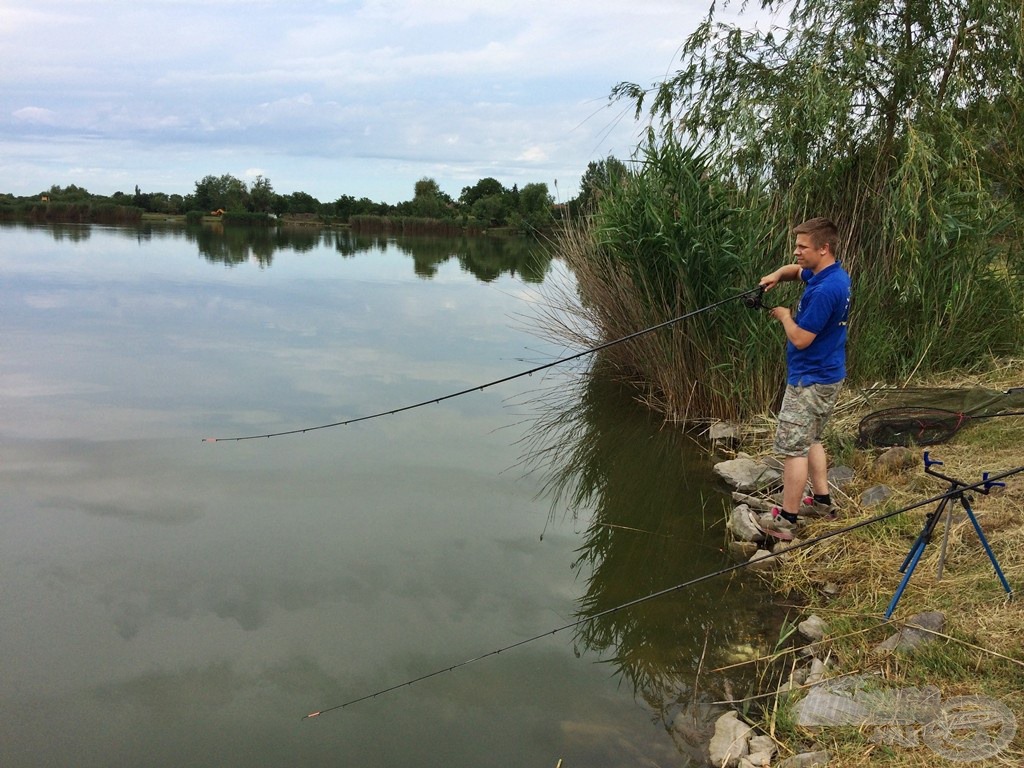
{"type": "Point", "coordinates": [780, 275]}
{"type": "Point", "coordinates": [801, 338]}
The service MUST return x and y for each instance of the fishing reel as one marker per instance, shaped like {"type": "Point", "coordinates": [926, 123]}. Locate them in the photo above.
{"type": "Point", "coordinates": [752, 299]}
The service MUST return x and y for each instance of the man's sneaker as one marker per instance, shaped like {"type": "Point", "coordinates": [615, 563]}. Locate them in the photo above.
{"type": "Point", "coordinates": [774, 525]}
{"type": "Point", "coordinates": [812, 508]}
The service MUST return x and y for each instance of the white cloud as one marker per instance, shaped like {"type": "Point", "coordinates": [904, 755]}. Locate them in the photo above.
{"type": "Point", "coordinates": [36, 115]}
{"type": "Point", "coordinates": [533, 155]}
{"type": "Point", "coordinates": [455, 89]}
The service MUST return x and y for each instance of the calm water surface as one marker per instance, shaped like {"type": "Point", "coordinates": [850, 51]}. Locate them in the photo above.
{"type": "Point", "coordinates": [169, 602]}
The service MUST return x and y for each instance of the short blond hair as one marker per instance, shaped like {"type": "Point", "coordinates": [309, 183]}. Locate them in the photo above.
{"type": "Point", "coordinates": [822, 231]}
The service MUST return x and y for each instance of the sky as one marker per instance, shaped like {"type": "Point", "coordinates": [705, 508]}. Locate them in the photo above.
{"type": "Point", "coordinates": [328, 97]}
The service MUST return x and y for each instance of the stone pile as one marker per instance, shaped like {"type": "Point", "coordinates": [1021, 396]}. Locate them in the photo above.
{"type": "Point", "coordinates": [736, 744]}
{"type": "Point", "coordinates": [856, 700]}
{"type": "Point", "coordinates": [756, 486]}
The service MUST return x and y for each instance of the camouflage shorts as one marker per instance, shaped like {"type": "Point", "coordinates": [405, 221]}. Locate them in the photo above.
{"type": "Point", "coordinates": [803, 415]}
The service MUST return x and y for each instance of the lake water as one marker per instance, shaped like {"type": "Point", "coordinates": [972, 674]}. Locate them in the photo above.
{"type": "Point", "coordinates": [173, 602]}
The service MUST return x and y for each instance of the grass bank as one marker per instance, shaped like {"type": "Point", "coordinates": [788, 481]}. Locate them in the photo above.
{"type": "Point", "coordinates": [981, 649]}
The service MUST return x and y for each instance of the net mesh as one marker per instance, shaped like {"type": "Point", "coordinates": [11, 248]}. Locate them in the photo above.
{"type": "Point", "coordinates": [926, 416]}
{"type": "Point", "coordinates": [909, 426]}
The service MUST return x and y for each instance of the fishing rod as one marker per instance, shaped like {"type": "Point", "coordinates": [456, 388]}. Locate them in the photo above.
{"type": "Point", "coordinates": [982, 486]}
{"type": "Point", "coordinates": [751, 298]}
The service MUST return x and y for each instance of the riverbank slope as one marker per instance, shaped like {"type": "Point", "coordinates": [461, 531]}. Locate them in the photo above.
{"type": "Point", "coordinates": [849, 580]}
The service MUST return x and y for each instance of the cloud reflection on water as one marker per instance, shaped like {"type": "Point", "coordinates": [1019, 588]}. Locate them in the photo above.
{"type": "Point", "coordinates": [142, 565]}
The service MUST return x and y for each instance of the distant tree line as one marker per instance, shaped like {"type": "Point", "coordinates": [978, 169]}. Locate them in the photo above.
{"type": "Point", "coordinates": [484, 205]}
{"type": "Point", "coordinates": [71, 204]}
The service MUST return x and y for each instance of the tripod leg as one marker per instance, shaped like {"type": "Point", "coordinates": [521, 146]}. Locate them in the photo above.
{"type": "Point", "coordinates": [915, 554]}
{"type": "Point", "coordinates": [984, 543]}
{"type": "Point", "coordinates": [945, 543]}
{"type": "Point", "coordinates": [926, 532]}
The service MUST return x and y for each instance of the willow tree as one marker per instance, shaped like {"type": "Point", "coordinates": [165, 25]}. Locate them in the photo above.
{"type": "Point", "coordinates": [901, 121]}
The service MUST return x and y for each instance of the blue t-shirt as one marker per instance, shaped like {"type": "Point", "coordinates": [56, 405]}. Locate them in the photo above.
{"type": "Point", "coordinates": [824, 310]}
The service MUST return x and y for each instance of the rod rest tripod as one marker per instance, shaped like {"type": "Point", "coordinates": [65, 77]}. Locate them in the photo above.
{"type": "Point", "coordinates": [957, 492]}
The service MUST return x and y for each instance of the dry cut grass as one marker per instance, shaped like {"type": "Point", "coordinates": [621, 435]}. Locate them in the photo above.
{"type": "Point", "coordinates": [849, 579]}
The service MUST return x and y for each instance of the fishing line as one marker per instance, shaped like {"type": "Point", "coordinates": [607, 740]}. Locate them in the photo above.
{"type": "Point", "coordinates": [982, 486]}
{"type": "Point", "coordinates": [745, 296]}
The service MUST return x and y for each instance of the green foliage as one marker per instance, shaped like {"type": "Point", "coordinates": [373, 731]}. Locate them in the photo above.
{"type": "Point", "coordinates": [487, 187]}
{"type": "Point", "coordinates": [902, 123]}
{"type": "Point", "coordinates": [490, 211]}
{"type": "Point", "coordinates": [600, 176]}
{"type": "Point", "coordinates": [220, 192]}
{"type": "Point", "coordinates": [430, 202]}
{"type": "Point", "coordinates": [150, 202]}
{"type": "Point", "coordinates": [668, 240]}
{"type": "Point", "coordinates": [533, 207]}
{"type": "Point", "coordinates": [69, 194]}
{"type": "Point", "coordinates": [296, 202]}
{"type": "Point", "coordinates": [404, 225]}
{"type": "Point", "coordinates": [347, 206]}
{"type": "Point", "coordinates": [261, 196]}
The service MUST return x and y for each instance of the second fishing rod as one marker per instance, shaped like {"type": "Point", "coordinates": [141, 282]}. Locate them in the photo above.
{"type": "Point", "coordinates": [956, 491]}
{"type": "Point", "coordinates": [751, 298]}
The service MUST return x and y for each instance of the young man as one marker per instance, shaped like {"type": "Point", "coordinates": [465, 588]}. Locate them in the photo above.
{"type": "Point", "coordinates": [816, 368]}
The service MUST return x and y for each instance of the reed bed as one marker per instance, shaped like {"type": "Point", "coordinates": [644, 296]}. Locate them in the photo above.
{"type": "Point", "coordinates": [72, 213]}
{"type": "Point", "coordinates": [666, 243]}
{"type": "Point", "coordinates": [937, 286]}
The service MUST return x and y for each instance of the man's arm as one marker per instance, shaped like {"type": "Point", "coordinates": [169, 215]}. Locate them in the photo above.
{"type": "Point", "coordinates": [800, 337]}
{"type": "Point", "coordinates": [781, 275]}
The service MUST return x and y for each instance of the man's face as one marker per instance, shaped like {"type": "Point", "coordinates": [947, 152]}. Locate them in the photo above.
{"type": "Point", "coordinates": [807, 256]}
